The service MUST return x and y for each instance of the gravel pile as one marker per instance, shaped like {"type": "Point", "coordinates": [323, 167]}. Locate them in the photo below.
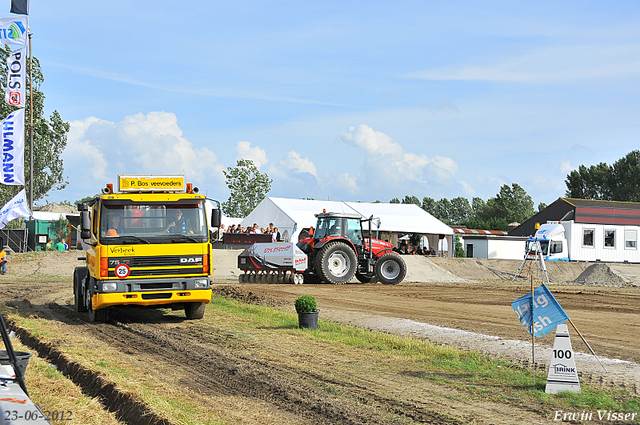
{"type": "Point", "coordinates": [599, 274]}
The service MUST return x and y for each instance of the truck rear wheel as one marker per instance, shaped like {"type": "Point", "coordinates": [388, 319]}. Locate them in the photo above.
{"type": "Point", "coordinates": [390, 269]}
{"type": "Point", "coordinates": [336, 263]}
{"type": "Point", "coordinates": [194, 311]}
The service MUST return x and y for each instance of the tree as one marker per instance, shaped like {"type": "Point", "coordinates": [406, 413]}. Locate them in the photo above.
{"type": "Point", "coordinates": [429, 205]}
{"type": "Point", "coordinates": [248, 187]}
{"type": "Point", "coordinates": [394, 201]}
{"type": "Point", "coordinates": [460, 210]}
{"type": "Point", "coordinates": [443, 210]}
{"type": "Point", "coordinates": [411, 200]}
{"type": "Point", "coordinates": [511, 204]}
{"type": "Point", "coordinates": [589, 183]}
{"type": "Point", "coordinates": [617, 182]}
{"type": "Point", "coordinates": [459, 250]}
{"type": "Point", "coordinates": [49, 139]}
{"type": "Point", "coordinates": [625, 178]}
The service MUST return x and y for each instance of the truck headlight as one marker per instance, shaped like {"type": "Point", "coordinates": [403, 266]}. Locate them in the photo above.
{"type": "Point", "coordinates": [201, 283]}
{"type": "Point", "coordinates": [109, 286]}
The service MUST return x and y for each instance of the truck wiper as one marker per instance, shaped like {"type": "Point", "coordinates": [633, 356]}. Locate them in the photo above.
{"type": "Point", "coordinates": [136, 238]}
{"type": "Point", "coordinates": [181, 236]}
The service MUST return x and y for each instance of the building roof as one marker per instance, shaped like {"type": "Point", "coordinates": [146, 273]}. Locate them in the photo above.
{"type": "Point", "coordinates": [583, 211]}
{"type": "Point", "coordinates": [464, 230]}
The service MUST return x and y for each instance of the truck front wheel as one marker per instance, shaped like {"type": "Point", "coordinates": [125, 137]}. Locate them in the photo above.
{"type": "Point", "coordinates": [101, 315]}
{"type": "Point", "coordinates": [336, 263]}
{"type": "Point", "coordinates": [390, 269]}
{"type": "Point", "coordinates": [194, 310]}
{"type": "Point", "coordinates": [79, 274]}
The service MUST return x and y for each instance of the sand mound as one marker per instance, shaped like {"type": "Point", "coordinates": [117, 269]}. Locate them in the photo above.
{"type": "Point", "coordinates": [599, 274]}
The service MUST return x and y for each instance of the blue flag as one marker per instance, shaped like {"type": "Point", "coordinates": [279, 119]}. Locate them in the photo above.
{"type": "Point", "coordinates": [547, 311]}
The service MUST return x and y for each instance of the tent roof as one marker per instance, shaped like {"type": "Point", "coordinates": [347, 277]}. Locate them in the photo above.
{"type": "Point", "coordinates": [402, 218]}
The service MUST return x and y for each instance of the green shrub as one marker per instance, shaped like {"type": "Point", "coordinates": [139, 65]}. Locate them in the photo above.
{"type": "Point", "coordinates": [306, 304]}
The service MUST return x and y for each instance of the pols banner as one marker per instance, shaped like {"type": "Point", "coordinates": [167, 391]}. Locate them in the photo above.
{"type": "Point", "coordinates": [13, 148]}
{"type": "Point", "coordinates": [16, 72]}
{"type": "Point", "coordinates": [14, 30]}
{"type": "Point", "coordinates": [15, 208]}
{"type": "Point", "coordinates": [546, 308]}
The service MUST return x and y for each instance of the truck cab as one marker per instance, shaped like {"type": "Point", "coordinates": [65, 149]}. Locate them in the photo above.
{"type": "Point", "coordinates": [552, 242]}
{"type": "Point", "coordinates": [146, 244]}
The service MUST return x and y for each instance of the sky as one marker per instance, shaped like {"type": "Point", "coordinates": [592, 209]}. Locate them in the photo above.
{"type": "Point", "coordinates": [349, 100]}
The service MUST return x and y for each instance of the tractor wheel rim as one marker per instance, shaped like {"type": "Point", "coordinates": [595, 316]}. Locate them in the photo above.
{"type": "Point", "coordinates": [338, 264]}
{"type": "Point", "coordinates": [390, 270]}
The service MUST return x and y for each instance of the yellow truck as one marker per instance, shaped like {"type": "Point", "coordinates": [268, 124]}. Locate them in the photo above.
{"type": "Point", "coordinates": [147, 244]}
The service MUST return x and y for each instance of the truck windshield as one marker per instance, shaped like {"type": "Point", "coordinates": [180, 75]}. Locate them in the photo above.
{"type": "Point", "coordinates": [149, 223]}
{"type": "Point", "coordinates": [544, 246]}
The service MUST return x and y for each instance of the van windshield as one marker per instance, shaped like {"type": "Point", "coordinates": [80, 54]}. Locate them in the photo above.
{"type": "Point", "coordinates": [153, 222]}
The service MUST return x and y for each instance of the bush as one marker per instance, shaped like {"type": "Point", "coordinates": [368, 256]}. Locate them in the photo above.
{"type": "Point", "coordinates": [306, 304]}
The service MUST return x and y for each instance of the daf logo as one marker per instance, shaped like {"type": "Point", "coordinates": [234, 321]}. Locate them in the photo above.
{"type": "Point", "coordinates": [190, 260]}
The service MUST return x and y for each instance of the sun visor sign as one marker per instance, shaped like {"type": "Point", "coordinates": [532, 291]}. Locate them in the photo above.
{"type": "Point", "coordinates": [150, 183]}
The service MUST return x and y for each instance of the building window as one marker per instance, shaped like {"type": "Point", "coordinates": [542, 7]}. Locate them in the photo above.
{"type": "Point", "coordinates": [631, 239]}
{"type": "Point", "coordinates": [587, 237]}
{"type": "Point", "coordinates": [609, 238]}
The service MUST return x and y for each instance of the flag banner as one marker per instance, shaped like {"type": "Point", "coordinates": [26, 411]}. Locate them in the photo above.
{"type": "Point", "coordinates": [20, 7]}
{"type": "Point", "coordinates": [15, 208]}
{"type": "Point", "coordinates": [546, 308]}
{"type": "Point", "coordinates": [14, 30]}
{"type": "Point", "coordinates": [13, 148]}
{"type": "Point", "coordinates": [16, 73]}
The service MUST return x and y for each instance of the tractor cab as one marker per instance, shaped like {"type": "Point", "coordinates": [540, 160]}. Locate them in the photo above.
{"type": "Point", "coordinates": [334, 225]}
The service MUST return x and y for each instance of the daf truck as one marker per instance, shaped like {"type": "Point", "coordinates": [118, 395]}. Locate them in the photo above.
{"type": "Point", "coordinates": [146, 244]}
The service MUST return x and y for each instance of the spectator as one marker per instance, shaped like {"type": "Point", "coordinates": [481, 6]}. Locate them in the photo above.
{"type": "Point", "coordinates": [3, 261]}
{"type": "Point", "coordinates": [276, 235]}
{"type": "Point", "coordinates": [49, 246]}
{"type": "Point", "coordinates": [232, 228]}
{"type": "Point", "coordinates": [270, 228]}
{"type": "Point", "coordinates": [61, 245]}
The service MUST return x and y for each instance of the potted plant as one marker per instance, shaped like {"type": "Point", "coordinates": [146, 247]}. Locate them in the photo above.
{"type": "Point", "coordinates": [307, 312]}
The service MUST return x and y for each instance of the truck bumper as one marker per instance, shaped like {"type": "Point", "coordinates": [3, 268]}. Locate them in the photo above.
{"type": "Point", "coordinates": [147, 298]}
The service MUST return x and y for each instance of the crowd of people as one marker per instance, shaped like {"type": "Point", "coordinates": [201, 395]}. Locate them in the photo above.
{"type": "Point", "coordinates": [255, 229]}
{"type": "Point", "coordinates": [416, 250]}
{"type": "Point", "coordinates": [61, 245]}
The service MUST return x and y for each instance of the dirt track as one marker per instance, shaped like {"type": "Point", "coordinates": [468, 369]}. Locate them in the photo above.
{"type": "Point", "coordinates": [251, 385]}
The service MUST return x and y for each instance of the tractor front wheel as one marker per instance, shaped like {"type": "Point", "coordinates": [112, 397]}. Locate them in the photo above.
{"type": "Point", "coordinates": [390, 269]}
{"type": "Point", "coordinates": [336, 263]}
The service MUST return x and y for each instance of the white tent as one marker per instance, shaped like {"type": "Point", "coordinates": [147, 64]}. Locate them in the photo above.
{"type": "Point", "coordinates": [290, 216]}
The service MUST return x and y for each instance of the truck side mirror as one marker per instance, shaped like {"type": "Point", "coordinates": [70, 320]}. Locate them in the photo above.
{"type": "Point", "coordinates": [216, 218]}
{"type": "Point", "coordinates": [85, 225]}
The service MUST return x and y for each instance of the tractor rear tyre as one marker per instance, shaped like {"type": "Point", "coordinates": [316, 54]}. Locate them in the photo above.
{"type": "Point", "coordinates": [390, 269]}
{"type": "Point", "coordinates": [336, 263]}
{"type": "Point", "coordinates": [194, 311]}
{"type": "Point", "coordinates": [363, 278]}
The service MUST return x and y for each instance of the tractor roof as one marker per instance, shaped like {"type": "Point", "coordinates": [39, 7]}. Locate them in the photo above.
{"type": "Point", "coordinates": [338, 215]}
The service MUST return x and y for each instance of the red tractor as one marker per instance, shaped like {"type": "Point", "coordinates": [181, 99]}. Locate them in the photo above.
{"type": "Point", "coordinates": [338, 249]}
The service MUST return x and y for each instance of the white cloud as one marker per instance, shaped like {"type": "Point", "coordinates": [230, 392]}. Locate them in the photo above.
{"type": "Point", "coordinates": [388, 165]}
{"type": "Point", "coordinates": [255, 154]}
{"type": "Point", "coordinates": [139, 144]}
{"type": "Point", "coordinates": [294, 162]}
